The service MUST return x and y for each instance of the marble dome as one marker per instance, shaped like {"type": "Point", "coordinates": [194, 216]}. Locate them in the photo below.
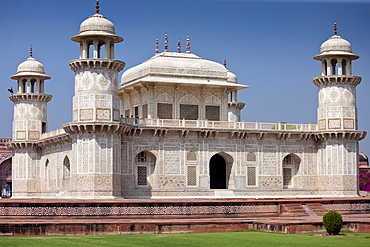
{"type": "Point", "coordinates": [30, 67]}
{"type": "Point", "coordinates": [97, 23]}
{"type": "Point", "coordinates": [336, 43]}
{"type": "Point", "coordinates": [231, 77]}
{"type": "Point", "coordinates": [177, 65]}
{"type": "Point", "coordinates": [95, 26]}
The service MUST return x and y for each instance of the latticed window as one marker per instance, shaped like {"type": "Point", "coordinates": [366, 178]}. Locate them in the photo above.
{"type": "Point", "coordinates": [213, 112]}
{"type": "Point", "coordinates": [251, 157]}
{"type": "Point", "coordinates": [251, 173]}
{"type": "Point", "coordinates": [189, 112]}
{"type": "Point", "coordinates": [192, 176]}
{"type": "Point", "coordinates": [191, 156]}
{"type": "Point", "coordinates": [145, 111]}
{"type": "Point", "coordinates": [142, 175]}
{"type": "Point", "coordinates": [164, 111]}
{"type": "Point", "coordinates": [287, 160]}
{"type": "Point", "coordinates": [145, 166]}
{"type": "Point", "coordinates": [287, 176]}
{"type": "Point", "coordinates": [141, 157]}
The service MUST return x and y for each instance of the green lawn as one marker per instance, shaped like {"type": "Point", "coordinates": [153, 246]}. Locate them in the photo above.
{"type": "Point", "coordinates": [224, 239]}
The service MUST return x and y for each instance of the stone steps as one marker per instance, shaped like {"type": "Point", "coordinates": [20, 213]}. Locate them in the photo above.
{"type": "Point", "coordinates": [293, 210]}
{"type": "Point", "coordinates": [317, 208]}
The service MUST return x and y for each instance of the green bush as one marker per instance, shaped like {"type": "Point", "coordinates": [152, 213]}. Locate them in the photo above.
{"type": "Point", "coordinates": [332, 222]}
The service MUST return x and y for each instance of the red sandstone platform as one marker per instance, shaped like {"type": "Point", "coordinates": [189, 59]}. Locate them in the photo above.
{"type": "Point", "coordinates": [127, 216]}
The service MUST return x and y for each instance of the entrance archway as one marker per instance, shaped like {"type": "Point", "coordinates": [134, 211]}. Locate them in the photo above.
{"type": "Point", "coordinates": [217, 172]}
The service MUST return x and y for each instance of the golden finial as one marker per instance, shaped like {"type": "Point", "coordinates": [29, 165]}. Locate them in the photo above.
{"type": "Point", "coordinates": [178, 46]}
{"type": "Point", "coordinates": [156, 46]}
{"type": "Point", "coordinates": [166, 43]}
{"type": "Point", "coordinates": [187, 44]}
{"type": "Point", "coordinates": [97, 6]}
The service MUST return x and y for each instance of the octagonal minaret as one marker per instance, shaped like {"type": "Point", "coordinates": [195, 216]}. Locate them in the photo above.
{"type": "Point", "coordinates": [337, 86]}
{"type": "Point", "coordinates": [337, 118]}
{"type": "Point", "coordinates": [96, 71]}
{"type": "Point", "coordinates": [95, 129]}
{"type": "Point", "coordinates": [30, 101]}
{"type": "Point", "coordinates": [29, 123]}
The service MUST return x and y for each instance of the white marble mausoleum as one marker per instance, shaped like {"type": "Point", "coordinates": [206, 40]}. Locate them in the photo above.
{"type": "Point", "coordinates": [172, 129]}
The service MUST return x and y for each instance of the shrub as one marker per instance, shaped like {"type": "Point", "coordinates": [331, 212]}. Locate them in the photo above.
{"type": "Point", "coordinates": [332, 222]}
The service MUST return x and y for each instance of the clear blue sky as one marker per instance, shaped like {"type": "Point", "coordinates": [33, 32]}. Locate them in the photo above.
{"type": "Point", "coordinates": [269, 45]}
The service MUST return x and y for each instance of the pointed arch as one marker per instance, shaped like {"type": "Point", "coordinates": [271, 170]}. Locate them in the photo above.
{"type": "Point", "coordinates": [212, 100]}
{"type": "Point", "coordinates": [189, 107]}
{"type": "Point", "coordinates": [189, 99]}
{"type": "Point", "coordinates": [66, 167]}
{"type": "Point", "coordinates": [66, 175]}
{"type": "Point", "coordinates": [47, 174]}
{"type": "Point", "coordinates": [220, 167]}
{"type": "Point", "coordinates": [165, 106]}
{"type": "Point", "coordinates": [145, 164]}
{"type": "Point", "coordinates": [165, 98]}
{"type": "Point", "coordinates": [251, 156]}
{"type": "Point", "coordinates": [291, 164]}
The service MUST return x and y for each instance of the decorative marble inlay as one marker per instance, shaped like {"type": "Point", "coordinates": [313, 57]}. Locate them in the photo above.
{"type": "Point", "coordinates": [348, 123]}
{"type": "Point", "coordinates": [86, 114]}
{"type": "Point", "coordinates": [334, 123]}
{"type": "Point", "coordinates": [21, 135]}
{"type": "Point", "coordinates": [139, 210]}
{"type": "Point", "coordinates": [103, 114]}
{"type": "Point", "coordinates": [34, 135]}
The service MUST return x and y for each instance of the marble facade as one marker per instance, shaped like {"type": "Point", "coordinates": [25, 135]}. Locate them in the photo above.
{"type": "Point", "coordinates": [172, 130]}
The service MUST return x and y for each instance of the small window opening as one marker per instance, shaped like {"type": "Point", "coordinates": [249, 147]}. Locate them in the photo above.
{"type": "Point", "coordinates": [334, 66]}
{"type": "Point", "coordinates": [43, 127]}
{"type": "Point", "coordinates": [344, 67]}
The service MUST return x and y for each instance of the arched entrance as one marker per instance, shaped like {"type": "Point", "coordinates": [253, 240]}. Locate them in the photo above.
{"type": "Point", "coordinates": [217, 172]}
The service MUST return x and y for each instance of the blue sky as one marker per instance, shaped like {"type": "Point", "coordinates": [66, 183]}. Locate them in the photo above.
{"type": "Point", "coordinates": [269, 45]}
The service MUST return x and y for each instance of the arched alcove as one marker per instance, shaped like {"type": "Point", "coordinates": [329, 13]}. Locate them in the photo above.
{"type": "Point", "coordinates": [144, 168]}
{"type": "Point", "coordinates": [291, 164]}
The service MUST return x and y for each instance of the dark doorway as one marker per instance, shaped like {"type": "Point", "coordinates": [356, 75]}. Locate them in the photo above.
{"type": "Point", "coordinates": [217, 172]}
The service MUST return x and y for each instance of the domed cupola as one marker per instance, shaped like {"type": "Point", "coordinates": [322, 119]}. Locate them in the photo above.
{"type": "Point", "coordinates": [97, 31]}
{"type": "Point", "coordinates": [96, 71]}
{"type": "Point", "coordinates": [97, 25]}
{"type": "Point", "coordinates": [336, 45]}
{"type": "Point", "coordinates": [30, 101]}
{"type": "Point", "coordinates": [30, 67]}
{"type": "Point", "coordinates": [31, 76]}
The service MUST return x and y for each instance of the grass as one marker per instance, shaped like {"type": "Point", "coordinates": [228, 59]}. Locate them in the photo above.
{"type": "Point", "coordinates": [223, 239]}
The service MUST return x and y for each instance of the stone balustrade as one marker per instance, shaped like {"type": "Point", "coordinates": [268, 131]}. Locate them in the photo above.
{"type": "Point", "coordinates": [146, 122]}
{"type": "Point", "coordinates": [52, 133]}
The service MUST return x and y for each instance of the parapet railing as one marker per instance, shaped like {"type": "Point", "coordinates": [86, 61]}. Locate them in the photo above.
{"type": "Point", "coordinates": [52, 133]}
{"type": "Point", "coordinates": [156, 122]}
{"type": "Point", "coordinates": [151, 122]}
{"type": "Point", "coordinates": [4, 140]}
